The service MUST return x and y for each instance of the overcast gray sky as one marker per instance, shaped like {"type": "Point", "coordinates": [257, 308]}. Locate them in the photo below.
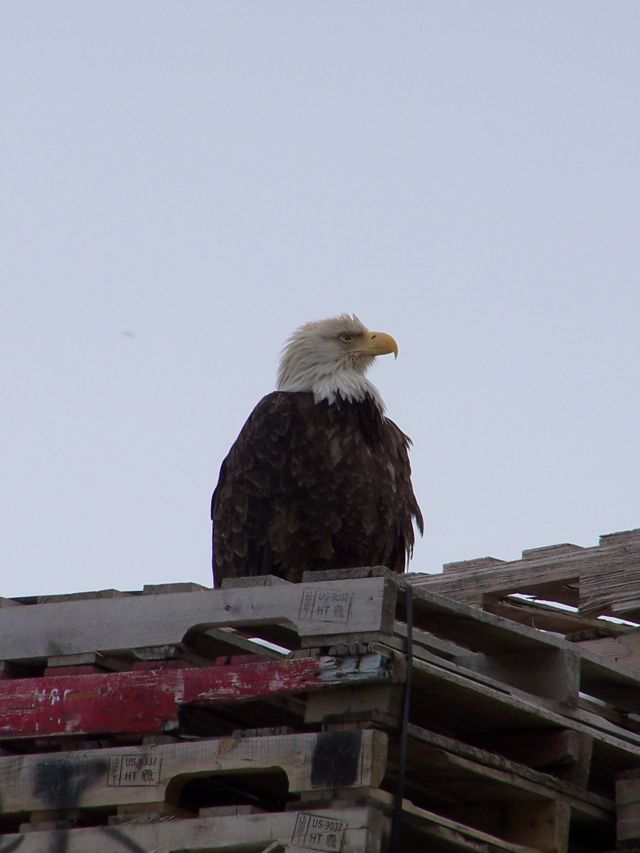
{"type": "Point", "coordinates": [183, 183]}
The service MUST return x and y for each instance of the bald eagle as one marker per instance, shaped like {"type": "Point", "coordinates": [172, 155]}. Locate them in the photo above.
{"type": "Point", "coordinates": [318, 478]}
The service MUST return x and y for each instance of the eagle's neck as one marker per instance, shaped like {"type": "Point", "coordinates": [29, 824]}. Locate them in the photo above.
{"type": "Point", "coordinates": [347, 384]}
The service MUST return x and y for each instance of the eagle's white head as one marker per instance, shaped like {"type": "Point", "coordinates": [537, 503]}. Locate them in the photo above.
{"type": "Point", "coordinates": [330, 358]}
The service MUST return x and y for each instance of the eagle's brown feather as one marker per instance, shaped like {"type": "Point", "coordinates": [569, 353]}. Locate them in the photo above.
{"type": "Point", "coordinates": [313, 485]}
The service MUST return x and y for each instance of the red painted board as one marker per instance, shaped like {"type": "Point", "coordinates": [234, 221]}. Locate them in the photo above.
{"type": "Point", "coordinates": [147, 701]}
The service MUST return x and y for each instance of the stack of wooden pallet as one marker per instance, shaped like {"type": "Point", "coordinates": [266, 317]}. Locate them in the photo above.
{"type": "Point", "coordinates": [591, 598]}
{"type": "Point", "coordinates": [268, 716]}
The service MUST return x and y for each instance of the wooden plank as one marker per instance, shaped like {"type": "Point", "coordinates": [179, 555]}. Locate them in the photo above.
{"type": "Point", "coordinates": [9, 602]}
{"type": "Point", "coordinates": [545, 826]}
{"type": "Point", "coordinates": [606, 576]}
{"type": "Point", "coordinates": [609, 682]}
{"type": "Point", "coordinates": [37, 631]}
{"type": "Point", "coordinates": [253, 580]}
{"type": "Point", "coordinates": [621, 537]}
{"type": "Point", "coordinates": [350, 574]}
{"type": "Point", "coordinates": [546, 617]}
{"type": "Point", "coordinates": [619, 595]}
{"type": "Point", "coordinates": [564, 753]}
{"type": "Point", "coordinates": [381, 703]}
{"type": "Point", "coordinates": [218, 642]}
{"type": "Point", "coordinates": [348, 829]}
{"type": "Point", "coordinates": [158, 588]}
{"type": "Point", "coordinates": [99, 662]}
{"type": "Point", "coordinates": [106, 778]}
{"type": "Point", "coordinates": [628, 789]}
{"type": "Point", "coordinates": [466, 565]}
{"type": "Point", "coordinates": [149, 701]}
{"type": "Point", "coordinates": [475, 629]}
{"type": "Point", "coordinates": [628, 832]}
{"type": "Point", "coordinates": [612, 682]}
{"type": "Point", "coordinates": [452, 768]}
{"type": "Point", "coordinates": [436, 832]}
{"type": "Point", "coordinates": [448, 700]}
{"type": "Point", "coordinates": [354, 829]}
{"type": "Point", "coordinates": [550, 551]}
{"type": "Point", "coordinates": [559, 578]}
{"type": "Point", "coordinates": [624, 649]}
{"type": "Point", "coordinates": [551, 673]}
{"type": "Point", "coordinates": [74, 596]}
{"type": "Point", "coordinates": [628, 803]}
{"type": "Point", "coordinates": [425, 640]}
{"type": "Point", "coordinates": [542, 825]}
{"type": "Point", "coordinates": [519, 657]}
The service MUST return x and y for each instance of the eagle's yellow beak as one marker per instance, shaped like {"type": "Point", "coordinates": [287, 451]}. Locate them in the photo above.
{"type": "Point", "coordinates": [379, 343]}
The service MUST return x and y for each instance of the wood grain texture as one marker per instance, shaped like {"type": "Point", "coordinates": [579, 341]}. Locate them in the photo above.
{"type": "Point", "coordinates": [524, 657]}
{"type": "Point", "coordinates": [347, 830]}
{"type": "Point", "coordinates": [343, 828]}
{"type": "Point", "coordinates": [550, 617]}
{"type": "Point", "coordinates": [436, 832]}
{"type": "Point", "coordinates": [623, 649]}
{"type": "Point", "coordinates": [475, 629]}
{"type": "Point", "coordinates": [446, 696]}
{"type": "Point", "coordinates": [73, 627]}
{"type": "Point", "coordinates": [602, 579]}
{"type": "Point", "coordinates": [440, 764]}
{"type": "Point", "coordinates": [106, 778]}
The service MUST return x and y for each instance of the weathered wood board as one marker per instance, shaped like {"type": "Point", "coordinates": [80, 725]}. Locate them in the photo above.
{"type": "Point", "coordinates": [448, 697]}
{"type": "Point", "coordinates": [28, 632]}
{"type": "Point", "coordinates": [603, 579]}
{"type": "Point", "coordinates": [343, 830]}
{"type": "Point", "coordinates": [149, 701]}
{"type": "Point", "coordinates": [340, 829]}
{"type": "Point", "coordinates": [628, 803]}
{"type": "Point", "coordinates": [517, 705]}
{"type": "Point", "coordinates": [106, 778]}
{"type": "Point", "coordinates": [609, 681]}
{"type": "Point", "coordinates": [430, 831]}
{"type": "Point", "coordinates": [520, 656]}
{"type": "Point", "coordinates": [439, 764]}
{"type": "Point", "coordinates": [623, 649]}
{"type": "Point", "coordinates": [476, 629]}
{"type": "Point", "coordinates": [555, 618]}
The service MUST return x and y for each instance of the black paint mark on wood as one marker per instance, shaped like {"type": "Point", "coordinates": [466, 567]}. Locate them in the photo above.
{"type": "Point", "coordinates": [336, 759]}
{"type": "Point", "coordinates": [60, 782]}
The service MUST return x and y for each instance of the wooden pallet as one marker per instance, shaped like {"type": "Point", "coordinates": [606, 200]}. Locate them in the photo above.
{"type": "Point", "coordinates": [348, 830]}
{"type": "Point", "coordinates": [603, 580]}
{"type": "Point", "coordinates": [301, 613]}
{"type": "Point", "coordinates": [516, 736]}
{"type": "Point", "coordinates": [91, 780]}
{"type": "Point", "coordinates": [343, 828]}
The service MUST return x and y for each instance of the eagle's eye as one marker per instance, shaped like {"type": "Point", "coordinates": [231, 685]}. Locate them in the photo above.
{"type": "Point", "coordinates": [346, 338]}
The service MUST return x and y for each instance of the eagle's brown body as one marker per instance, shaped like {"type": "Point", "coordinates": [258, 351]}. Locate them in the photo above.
{"type": "Point", "coordinates": [313, 485]}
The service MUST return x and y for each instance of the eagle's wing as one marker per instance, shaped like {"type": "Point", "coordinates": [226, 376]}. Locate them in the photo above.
{"type": "Point", "coordinates": [405, 504]}
{"type": "Point", "coordinates": [251, 476]}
